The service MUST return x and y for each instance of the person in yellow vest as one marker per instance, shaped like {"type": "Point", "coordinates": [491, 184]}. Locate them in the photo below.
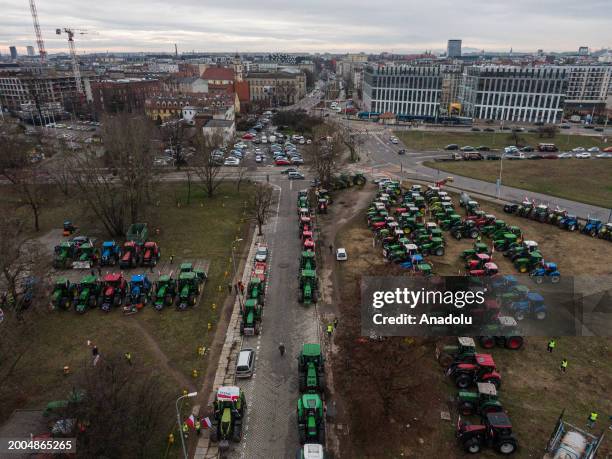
{"type": "Point", "coordinates": [592, 419]}
{"type": "Point", "coordinates": [551, 345]}
{"type": "Point", "coordinates": [185, 430]}
{"type": "Point", "coordinates": [563, 366]}
{"type": "Point", "coordinates": [330, 330]}
{"type": "Point", "coordinates": [170, 438]}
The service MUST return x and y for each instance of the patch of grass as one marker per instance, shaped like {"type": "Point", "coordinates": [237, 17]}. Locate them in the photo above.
{"type": "Point", "coordinates": [585, 181]}
{"type": "Point", "coordinates": [428, 140]}
{"type": "Point", "coordinates": [203, 230]}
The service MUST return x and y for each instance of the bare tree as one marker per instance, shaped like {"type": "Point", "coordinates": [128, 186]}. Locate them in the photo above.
{"type": "Point", "coordinates": [206, 167]}
{"type": "Point", "coordinates": [126, 411]}
{"type": "Point", "coordinates": [16, 167]}
{"type": "Point", "coordinates": [324, 154]}
{"type": "Point", "coordinates": [261, 205]}
{"type": "Point", "coordinates": [175, 134]}
{"type": "Point", "coordinates": [60, 171]}
{"type": "Point", "coordinates": [242, 172]}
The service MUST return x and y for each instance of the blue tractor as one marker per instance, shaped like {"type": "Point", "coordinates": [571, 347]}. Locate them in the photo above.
{"type": "Point", "coordinates": [502, 284]}
{"type": "Point", "coordinates": [569, 222]}
{"type": "Point", "coordinates": [111, 253]}
{"type": "Point", "coordinates": [592, 227]}
{"type": "Point", "coordinates": [140, 288]}
{"type": "Point", "coordinates": [546, 270]}
{"type": "Point", "coordinates": [532, 305]}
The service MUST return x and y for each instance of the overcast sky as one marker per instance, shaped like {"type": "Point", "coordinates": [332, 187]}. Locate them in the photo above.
{"type": "Point", "coordinates": [314, 25]}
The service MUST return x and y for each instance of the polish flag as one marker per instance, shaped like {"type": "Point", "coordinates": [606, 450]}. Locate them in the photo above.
{"type": "Point", "coordinates": [206, 423]}
{"type": "Point", "coordinates": [190, 421]}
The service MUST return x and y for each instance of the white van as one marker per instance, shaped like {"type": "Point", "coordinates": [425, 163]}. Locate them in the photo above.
{"type": "Point", "coordinates": [246, 363]}
{"type": "Point", "coordinates": [264, 139]}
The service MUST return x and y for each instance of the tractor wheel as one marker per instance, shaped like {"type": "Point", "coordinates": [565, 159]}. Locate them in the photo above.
{"type": "Point", "coordinates": [514, 342]}
{"type": "Point", "coordinates": [214, 432]}
{"type": "Point", "coordinates": [519, 315]}
{"type": "Point", "coordinates": [474, 234]}
{"type": "Point", "coordinates": [237, 432]}
{"type": "Point", "coordinates": [466, 408]}
{"type": "Point", "coordinates": [487, 342]}
{"type": "Point", "coordinates": [321, 434]}
{"type": "Point", "coordinates": [457, 235]}
{"type": "Point", "coordinates": [506, 446]}
{"type": "Point", "coordinates": [440, 251]}
{"type": "Point", "coordinates": [540, 315]}
{"type": "Point", "coordinates": [302, 433]}
{"type": "Point", "coordinates": [315, 297]}
{"type": "Point", "coordinates": [463, 381]}
{"type": "Point", "coordinates": [495, 381]}
{"type": "Point", "coordinates": [555, 279]}
{"type": "Point", "coordinates": [571, 228]}
{"type": "Point", "coordinates": [302, 382]}
{"type": "Point", "coordinates": [539, 279]}
{"type": "Point", "coordinates": [445, 360]}
{"type": "Point", "coordinates": [472, 446]}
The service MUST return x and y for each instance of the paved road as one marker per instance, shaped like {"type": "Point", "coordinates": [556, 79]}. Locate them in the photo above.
{"type": "Point", "coordinates": [271, 428]}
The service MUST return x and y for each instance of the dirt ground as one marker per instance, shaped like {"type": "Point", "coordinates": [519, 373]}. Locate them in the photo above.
{"type": "Point", "coordinates": [533, 391]}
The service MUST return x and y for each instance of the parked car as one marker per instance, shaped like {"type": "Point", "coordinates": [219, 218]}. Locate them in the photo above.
{"type": "Point", "coordinates": [262, 253]}
{"type": "Point", "coordinates": [475, 129]}
{"type": "Point", "coordinates": [489, 129]}
{"type": "Point", "coordinates": [297, 160]}
{"type": "Point", "coordinates": [578, 150]}
{"type": "Point", "coordinates": [593, 150]}
{"type": "Point", "coordinates": [527, 149]}
{"type": "Point", "coordinates": [452, 146]}
{"type": "Point", "coordinates": [401, 151]}
{"type": "Point", "coordinates": [604, 155]}
{"type": "Point", "coordinates": [565, 155]}
{"type": "Point", "coordinates": [341, 254]}
{"type": "Point", "coordinates": [584, 155]}
{"type": "Point", "coordinates": [289, 170]}
{"type": "Point", "coordinates": [467, 148]}
{"type": "Point", "coordinates": [565, 126]}
{"type": "Point", "coordinates": [232, 162]}
{"type": "Point", "coordinates": [535, 156]}
{"type": "Point", "coordinates": [607, 150]}
{"type": "Point", "coordinates": [483, 148]}
{"type": "Point", "coordinates": [282, 161]}
{"type": "Point", "coordinates": [550, 156]}
{"type": "Point", "coordinates": [246, 363]}
{"type": "Point", "coordinates": [258, 159]}
{"type": "Point", "coordinates": [295, 176]}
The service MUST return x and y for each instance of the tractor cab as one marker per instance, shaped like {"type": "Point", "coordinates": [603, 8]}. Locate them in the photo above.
{"type": "Point", "coordinates": [186, 267]}
{"type": "Point", "coordinates": [504, 283]}
{"type": "Point", "coordinates": [507, 241]}
{"type": "Point", "coordinates": [188, 289]}
{"type": "Point", "coordinates": [311, 451]}
{"type": "Point", "coordinates": [504, 333]}
{"type": "Point", "coordinates": [113, 290]}
{"type": "Point", "coordinates": [416, 188]}
{"type": "Point", "coordinates": [431, 226]}
{"type": "Point", "coordinates": [111, 252]}
{"type": "Point", "coordinates": [259, 270]}
{"type": "Point", "coordinates": [532, 305]}
{"type": "Point", "coordinates": [255, 289]}
{"type": "Point", "coordinates": [88, 293]}
{"type": "Point", "coordinates": [309, 244]}
{"type": "Point", "coordinates": [311, 368]}
{"type": "Point", "coordinates": [64, 252]}
{"type": "Point", "coordinates": [482, 369]}
{"type": "Point", "coordinates": [151, 253]}
{"type": "Point", "coordinates": [308, 292]}
{"type": "Point", "coordinates": [479, 247]}
{"type": "Point", "coordinates": [86, 253]}
{"type": "Point", "coordinates": [229, 412]}
{"type": "Point", "coordinates": [540, 213]}
{"type": "Point", "coordinates": [63, 293]}
{"type": "Point", "coordinates": [529, 263]}
{"type": "Point", "coordinates": [311, 419]}
{"type": "Point", "coordinates": [322, 205]}
{"type": "Point", "coordinates": [483, 401]}
{"type": "Point", "coordinates": [140, 287]}
{"type": "Point", "coordinates": [547, 270]}
{"type": "Point", "coordinates": [304, 222]}
{"type": "Point", "coordinates": [308, 260]}
{"type": "Point", "coordinates": [463, 351]}
{"type": "Point", "coordinates": [306, 234]}
{"type": "Point", "coordinates": [164, 292]}
{"type": "Point", "coordinates": [496, 432]}
{"type": "Point", "coordinates": [517, 292]}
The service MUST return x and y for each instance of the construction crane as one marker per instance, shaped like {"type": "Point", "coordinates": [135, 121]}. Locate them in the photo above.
{"type": "Point", "coordinates": [39, 39]}
{"type": "Point", "coordinates": [75, 63]}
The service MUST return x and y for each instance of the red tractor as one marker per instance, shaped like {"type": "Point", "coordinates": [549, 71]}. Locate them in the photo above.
{"type": "Point", "coordinates": [482, 369]}
{"type": "Point", "coordinates": [481, 265]}
{"type": "Point", "coordinates": [151, 254]}
{"type": "Point", "coordinates": [132, 255]}
{"type": "Point", "coordinates": [481, 219]}
{"type": "Point", "coordinates": [309, 244]}
{"type": "Point", "coordinates": [306, 234]}
{"type": "Point", "coordinates": [259, 271]}
{"type": "Point", "coordinates": [113, 291]}
{"type": "Point", "coordinates": [495, 432]}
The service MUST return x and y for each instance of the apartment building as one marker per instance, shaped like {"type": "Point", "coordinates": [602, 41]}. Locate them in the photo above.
{"type": "Point", "coordinates": [402, 89]}
{"type": "Point", "coordinates": [588, 88]}
{"type": "Point", "coordinates": [513, 93]}
{"type": "Point", "coordinates": [276, 88]}
{"type": "Point", "coordinates": [126, 94]}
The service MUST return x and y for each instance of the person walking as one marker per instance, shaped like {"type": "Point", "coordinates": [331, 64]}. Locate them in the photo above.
{"type": "Point", "coordinates": [330, 329]}
{"type": "Point", "coordinates": [229, 288]}
{"type": "Point", "coordinates": [563, 366]}
{"type": "Point", "coordinates": [551, 345]}
{"type": "Point", "coordinates": [592, 419]}
{"type": "Point", "coordinates": [185, 430]}
{"type": "Point", "coordinates": [331, 248]}
{"type": "Point", "coordinates": [95, 354]}
{"type": "Point", "coordinates": [281, 349]}
{"type": "Point", "coordinates": [241, 286]}
{"type": "Point", "coordinates": [335, 323]}
{"type": "Point", "coordinates": [128, 357]}
{"type": "Point", "coordinates": [171, 258]}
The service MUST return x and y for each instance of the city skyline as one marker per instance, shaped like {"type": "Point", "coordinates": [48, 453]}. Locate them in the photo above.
{"type": "Point", "coordinates": [338, 27]}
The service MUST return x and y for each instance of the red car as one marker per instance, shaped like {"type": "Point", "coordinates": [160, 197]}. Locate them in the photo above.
{"type": "Point", "coordinates": [248, 136]}
{"type": "Point", "coordinates": [282, 162]}
{"type": "Point", "coordinates": [607, 150]}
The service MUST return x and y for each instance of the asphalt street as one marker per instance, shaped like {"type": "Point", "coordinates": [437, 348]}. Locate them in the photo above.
{"type": "Point", "coordinates": [272, 392]}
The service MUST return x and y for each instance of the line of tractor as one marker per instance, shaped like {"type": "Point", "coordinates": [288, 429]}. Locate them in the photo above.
{"type": "Point", "coordinates": [542, 213]}
{"type": "Point", "coordinates": [252, 308]}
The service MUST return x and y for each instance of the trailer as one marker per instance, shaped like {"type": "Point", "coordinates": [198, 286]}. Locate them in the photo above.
{"type": "Point", "coordinates": [570, 442]}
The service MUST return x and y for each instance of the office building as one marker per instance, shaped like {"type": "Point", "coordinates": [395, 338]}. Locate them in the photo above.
{"type": "Point", "coordinates": [512, 93]}
{"type": "Point", "coordinates": [402, 89]}
{"type": "Point", "coordinates": [30, 51]}
{"type": "Point", "coordinates": [588, 88]}
{"type": "Point", "coordinates": [13, 51]}
{"type": "Point", "coordinates": [276, 88]}
{"type": "Point", "coordinates": [453, 48]}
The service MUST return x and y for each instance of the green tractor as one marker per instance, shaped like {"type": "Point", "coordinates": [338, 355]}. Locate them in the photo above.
{"type": "Point", "coordinates": [505, 333]}
{"type": "Point", "coordinates": [434, 246]}
{"type": "Point", "coordinates": [87, 255]}
{"type": "Point", "coordinates": [448, 222]}
{"type": "Point", "coordinates": [463, 351]}
{"type": "Point", "coordinates": [64, 253]}
{"type": "Point", "coordinates": [251, 318]}
{"type": "Point", "coordinates": [424, 269]}
{"type": "Point", "coordinates": [255, 289]}
{"type": "Point", "coordinates": [311, 419]}
{"type": "Point", "coordinates": [188, 268]}
{"type": "Point", "coordinates": [498, 227]}
{"type": "Point", "coordinates": [308, 260]}
{"type": "Point", "coordinates": [359, 179]}
{"type": "Point", "coordinates": [528, 263]}
{"type": "Point", "coordinates": [164, 292]}
{"type": "Point", "coordinates": [229, 413]}
{"type": "Point", "coordinates": [89, 291]}
{"type": "Point", "coordinates": [63, 294]}
{"type": "Point", "coordinates": [189, 289]}
{"type": "Point", "coordinates": [525, 209]}
{"type": "Point", "coordinates": [507, 242]}
{"type": "Point", "coordinates": [311, 369]}
{"type": "Point", "coordinates": [481, 402]}
{"type": "Point", "coordinates": [479, 247]}
{"type": "Point", "coordinates": [467, 228]}
{"type": "Point", "coordinates": [540, 213]}
{"type": "Point", "coordinates": [309, 288]}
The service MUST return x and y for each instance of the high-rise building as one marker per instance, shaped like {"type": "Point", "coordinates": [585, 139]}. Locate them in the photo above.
{"type": "Point", "coordinates": [402, 89]}
{"type": "Point", "coordinates": [453, 49]}
{"type": "Point", "coordinates": [583, 51]}
{"type": "Point", "coordinates": [13, 50]}
{"type": "Point", "coordinates": [30, 51]}
{"type": "Point", "coordinates": [512, 93]}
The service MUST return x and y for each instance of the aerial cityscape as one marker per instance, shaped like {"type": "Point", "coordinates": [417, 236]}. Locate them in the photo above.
{"type": "Point", "coordinates": [311, 230]}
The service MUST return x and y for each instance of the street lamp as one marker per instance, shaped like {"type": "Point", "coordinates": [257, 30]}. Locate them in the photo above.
{"type": "Point", "coordinates": [178, 420]}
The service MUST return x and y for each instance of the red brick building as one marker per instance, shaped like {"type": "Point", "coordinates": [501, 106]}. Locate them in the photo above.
{"type": "Point", "coordinates": [124, 95]}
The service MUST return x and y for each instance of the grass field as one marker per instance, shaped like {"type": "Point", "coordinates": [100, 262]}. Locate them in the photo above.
{"type": "Point", "coordinates": [585, 181]}
{"type": "Point", "coordinates": [165, 341]}
{"type": "Point", "coordinates": [427, 140]}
